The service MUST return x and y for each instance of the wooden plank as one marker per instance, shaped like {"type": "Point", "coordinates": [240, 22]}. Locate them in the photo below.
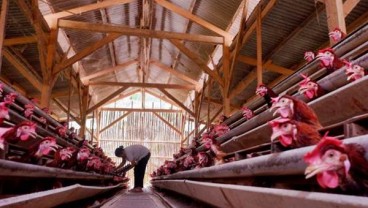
{"type": "Point", "coordinates": [4, 11]}
{"type": "Point", "coordinates": [109, 97]}
{"type": "Point", "coordinates": [178, 10]}
{"type": "Point", "coordinates": [22, 69]}
{"type": "Point", "coordinates": [86, 8]}
{"type": "Point", "coordinates": [145, 85]}
{"type": "Point", "coordinates": [83, 109]}
{"type": "Point", "coordinates": [122, 96]}
{"type": "Point", "coordinates": [349, 6]}
{"type": "Point", "coordinates": [259, 49]}
{"type": "Point", "coordinates": [102, 72]}
{"type": "Point", "coordinates": [177, 102]}
{"type": "Point", "coordinates": [196, 59]}
{"type": "Point", "coordinates": [166, 122]}
{"type": "Point", "coordinates": [174, 72]}
{"type": "Point", "coordinates": [335, 16]}
{"type": "Point", "coordinates": [268, 65]}
{"type": "Point", "coordinates": [20, 40]}
{"type": "Point", "coordinates": [98, 27]}
{"type": "Point", "coordinates": [162, 97]}
{"type": "Point", "coordinates": [114, 122]}
{"type": "Point", "coordinates": [51, 48]}
{"type": "Point", "coordinates": [142, 110]}
{"type": "Point", "coordinates": [85, 52]}
{"type": "Point", "coordinates": [227, 80]}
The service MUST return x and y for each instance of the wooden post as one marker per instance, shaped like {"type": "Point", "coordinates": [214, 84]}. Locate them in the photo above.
{"type": "Point", "coordinates": [98, 125]}
{"type": "Point", "coordinates": [209, 102]}
{"type": "Point", "coordinates": [335, 16]}
{"type": "Point", "coordinates": [4, 10]}
{"type": "Point", "coordinates": [227, 79]}
{"type": "Point", "coordinates": [45, 94]}
{"type": "Point", "coordinates": [196, 105]}
{"type": "Point", "coordinates": [85, 96]}
{"type": "Point", "coordinates": [259, 48]}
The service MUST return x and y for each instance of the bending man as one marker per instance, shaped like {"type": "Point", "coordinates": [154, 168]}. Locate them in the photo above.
{"type": "Point", "coordinates": [138, 156]}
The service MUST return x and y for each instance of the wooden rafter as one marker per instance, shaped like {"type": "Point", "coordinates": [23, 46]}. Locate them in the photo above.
{"type": "Point", "coordinates": [102, 72]}
{"type": "Point", "coordinates": [122, 96]}
{"type": "Point", "coordinates": [109, 97]}
{"type": "Point", "coordinates": [114, 122]}
{"type": "Point", "coordinates": [96, 27]}
{"type": "Point", "coordinates": [145, 85]}
{"type": "Point", "coordinates": [142, 110]}
{"type": "Point", "coordinates": [3, 14]}
{"type": "Point", "coordinates": [85, 52]}
{"type": "Point", "coordinates": [174, 72]}
{"type": "Point", "coordinates": [20, 40]}
{"type": "Point", "coordinates": [196, 59]}
{"type": "Point", "coordinates": [178, 10]}
{"type": "Point", "coordinates": [259, 49]}
{"type": "Point", "coordinates": [162, 97]}
{"type": "Point", "coordinates": [227, 79]}
{"type": "Point", "coordinates": [166, 122]}
{"type": "Point", "coordinates": [177, 102]}
{"type": "Point", "coordinates": [349, 6]}
{"type": "Point", "coordinates": [86, 8]}
{"type": "Point", "coordinates": [26, 73]}
{"type": "Point", "coordinates": [51, 48]}
{"type": "Point", "coordinates": [268, 65]}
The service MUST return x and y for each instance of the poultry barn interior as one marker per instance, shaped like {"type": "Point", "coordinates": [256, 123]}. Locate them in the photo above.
{"type": "Point", "coordinates": [242, 103]}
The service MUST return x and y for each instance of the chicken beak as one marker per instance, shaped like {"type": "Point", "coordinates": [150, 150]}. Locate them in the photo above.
{"type": "Point", "coordinates": [33, 135]}
{"type": "Point", "coordinates": [54, 147]}
{"type": "Point", "coordinates": [276, 135]}
{"type": "Point", "coordinates": [274, 108]}
{"type": "Point", "coordinates": [302, 90]}
{"type": "Point", "coordinates": [313, 170]}
{"type": "Point", "coordinates": [2, 146]}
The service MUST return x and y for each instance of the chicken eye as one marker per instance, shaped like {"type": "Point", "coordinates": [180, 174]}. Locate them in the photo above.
{"type": "Point", "coordinates": [331, 154]}
{"type": "Point", "coordinates": [328, 53]}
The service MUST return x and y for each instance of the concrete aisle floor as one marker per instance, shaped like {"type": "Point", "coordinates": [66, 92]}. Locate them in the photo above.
{"type": "Point", "coordinates": [145, 199]}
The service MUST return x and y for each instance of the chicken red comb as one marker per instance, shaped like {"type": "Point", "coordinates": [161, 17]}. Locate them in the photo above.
{"type": "Point", "coordinates": [326, 143]}
{"type": "Point", "coordinates": [305, 80]}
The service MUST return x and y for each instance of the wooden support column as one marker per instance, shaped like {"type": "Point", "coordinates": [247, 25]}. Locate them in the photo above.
{"type": "Point", "coordinates": [209, 102]}
{"type": "Point", "coordinates": [98, 126]}
{"type": "Point", "coordinates": [335, 16]}
{"type": "Point", "coordinates": [85, 98]}
{"type": "Point", "coordinates": [196, 107]}
{"type": "Point", "coordinates": [227, 80]}
{"type": "Point", "coordinates": [259, 48]}
{"type": "Point", "coordinates": [46, 90]}
{"type": "Point", "coordinates": [4, 11]}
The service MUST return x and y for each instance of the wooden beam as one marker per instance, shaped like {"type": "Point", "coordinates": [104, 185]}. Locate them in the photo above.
{"type": "Point", "coordinates": [177, 102]}
{"type": "Point", "coordinates": [85, 52]}
{"type": "Point", "coordinates": [259, 49]}
{"type": "Point", "coordinates": [335, 16]}
{"type": "Point", "coordinates": [178, 10]}
{"type": "Point", "coordinates": [114, 122]}
{"type": "Point", "coordinates": [251, 28]}
{"type": "Point", "coordinates": [84, 107]}
{"type": "Point", "coordinates": [349, 6]}
{"type": "Point", "coordinates": [109, 97]}
{"type": "Point", "coordinates": [22, 69]}
{"type": "Point", "coordinates": [86, 8]}
{"type": "Point", "coordinates": [20, 40]}
{"type": "Point", "coordinates": [162, 97]}
{"type": "Point", "coordinates": [145, 85]}
{"type": "Point", "coordinates": [3, 14]}
{"type": "Point", "coordinates": [142, 110]}
{"type": "Point", "coordinates": [122, 96]}
{"type": "Point", "coordinates": [243, 84]}
{"type": "Point", "coordinates": [51, 48]}
{"type": "Point", "coordinates": [174, 72]}
{"type": "Point", "coordinates": [14, 85]}
{"type": "Point", "coordinates": [102, 72]}
{"type": "Point", "coordinates": [268, 65]}
{"type": "Point", "coordinates": [122, 30]}
{"type": "Point", "coordinates": [227, 80]}
{"type": "Point", "coordinates": [166, 122]}
{"type": "Point", "coordinates": [196, 59]}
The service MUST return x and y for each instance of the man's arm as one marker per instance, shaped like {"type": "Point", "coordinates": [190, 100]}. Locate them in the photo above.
{"type": "Point", "coordinates": [121, 164]}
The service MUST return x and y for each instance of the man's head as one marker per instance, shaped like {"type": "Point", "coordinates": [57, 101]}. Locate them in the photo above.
{"type": "Point", "coordinates": [119, 151]}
